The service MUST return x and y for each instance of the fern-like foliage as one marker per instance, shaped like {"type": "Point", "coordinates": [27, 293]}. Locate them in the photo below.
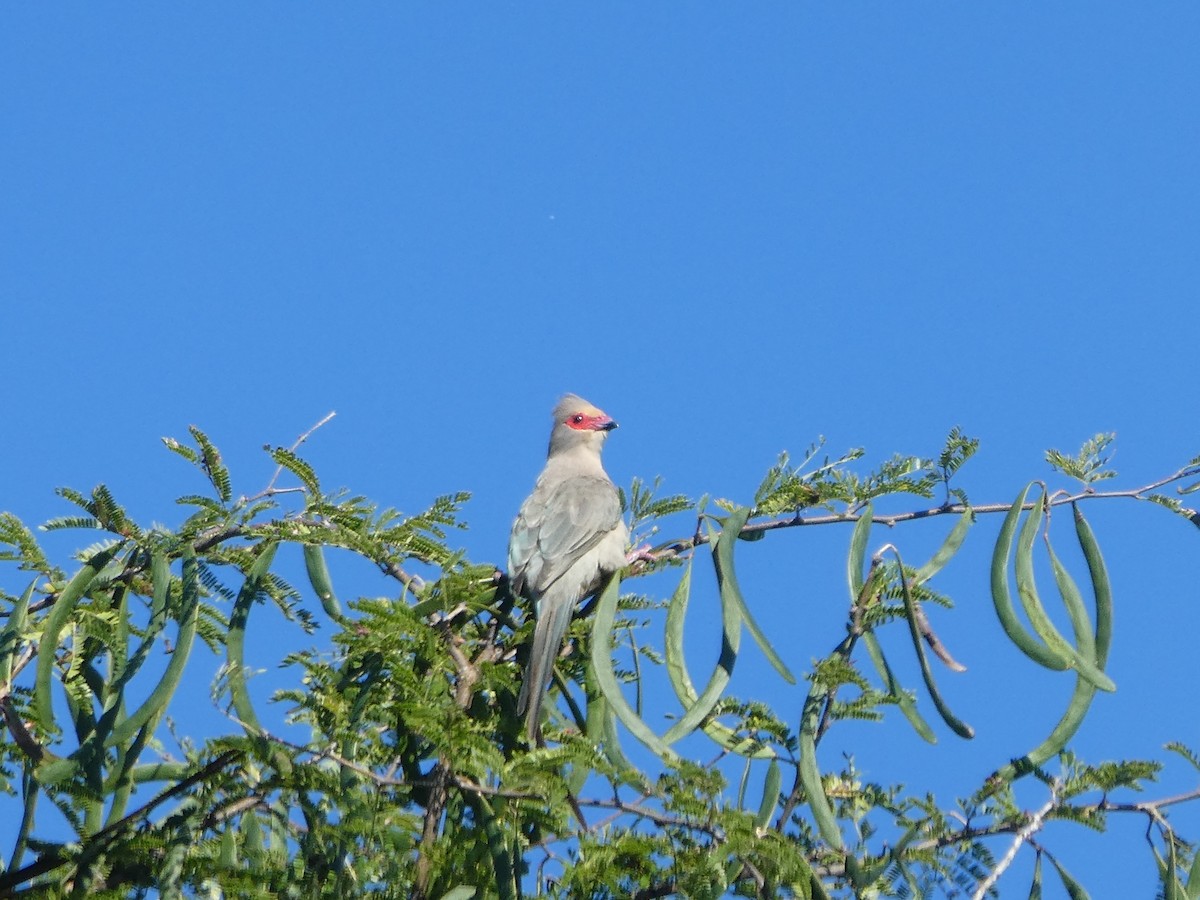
{"type": "Point", "coordinates": [1090, 464]}
{"type": "Point", "coordinates": [387, 758]}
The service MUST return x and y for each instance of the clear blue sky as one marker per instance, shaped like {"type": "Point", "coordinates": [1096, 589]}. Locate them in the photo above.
{"type": "Point", "coordinates": [735, 228]}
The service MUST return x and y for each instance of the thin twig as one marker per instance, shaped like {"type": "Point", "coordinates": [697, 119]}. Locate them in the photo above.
{"type": "Point", "coordinates": [1032, 827]}
{"type": "Point", "coordinates": [1148, 806]}
{"type": "Point", "coordinates": [53, 858]}
{"type": "Point", "coordinates": [680, 546]}
{"type": "Point", "coordinates": [414, 583]}
{"type": "Point", "coordinates": [270, 490]}
{"type": "Point", "coordinates": [653, 815]}
{"type": "Point", "coordinates": [380, 779]}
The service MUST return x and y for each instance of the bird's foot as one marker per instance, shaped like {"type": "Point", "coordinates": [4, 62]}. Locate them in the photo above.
{"type": "Point", "coordinates": [641, 554]}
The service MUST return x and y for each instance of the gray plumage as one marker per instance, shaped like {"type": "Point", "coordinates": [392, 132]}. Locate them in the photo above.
{"type": "Point", "coordinates": [568, 537]}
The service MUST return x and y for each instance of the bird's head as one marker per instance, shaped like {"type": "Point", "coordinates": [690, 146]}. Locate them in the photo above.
{"type": "Point", "coordinates": [577, 423]}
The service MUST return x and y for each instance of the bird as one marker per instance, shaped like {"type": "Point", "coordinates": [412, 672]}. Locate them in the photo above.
{"type": "Point", "coordinates": [568, 538]}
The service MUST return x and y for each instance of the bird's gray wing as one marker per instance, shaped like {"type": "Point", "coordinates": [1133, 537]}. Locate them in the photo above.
{"type": "Point", "coordinates": [557, 525]}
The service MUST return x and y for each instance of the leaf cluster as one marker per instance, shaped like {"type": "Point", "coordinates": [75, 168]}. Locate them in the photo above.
{"type": "Point", "coordinates": [392, 762]}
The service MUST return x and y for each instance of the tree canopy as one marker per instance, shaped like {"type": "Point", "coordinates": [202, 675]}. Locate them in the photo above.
{"type": "Point", "coordinates": [392, 762]}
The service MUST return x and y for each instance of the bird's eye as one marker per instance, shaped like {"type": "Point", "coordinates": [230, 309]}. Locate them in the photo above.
{"type": "Point", "coordinates": [577, 419]}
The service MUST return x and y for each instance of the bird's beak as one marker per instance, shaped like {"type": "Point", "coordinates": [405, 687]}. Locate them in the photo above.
{"type": "Point", "coordinates": [604, 423]}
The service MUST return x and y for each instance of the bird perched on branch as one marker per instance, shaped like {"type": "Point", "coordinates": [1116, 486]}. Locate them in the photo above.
{"type": "Point", "coordinates": [568, 538]}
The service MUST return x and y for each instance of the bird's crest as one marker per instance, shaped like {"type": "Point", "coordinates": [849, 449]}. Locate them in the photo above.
{"type": "Point", "coordinates": [572, 404]}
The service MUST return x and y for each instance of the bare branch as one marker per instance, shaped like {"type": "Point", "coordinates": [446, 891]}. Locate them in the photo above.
{"type": "Point", "coordinates": [680, 546]}
{"type": "Point", "coordinates": [1032, 827]}
{"type": "Point", "coordinates": [270, 490]}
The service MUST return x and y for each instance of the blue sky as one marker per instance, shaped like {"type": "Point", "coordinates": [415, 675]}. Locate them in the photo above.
{"type": "Point", "coordinates": [735, 229]}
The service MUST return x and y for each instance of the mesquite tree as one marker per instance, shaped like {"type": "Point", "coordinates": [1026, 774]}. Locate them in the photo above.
{"type": "Point", "coordinates": [393, 762]}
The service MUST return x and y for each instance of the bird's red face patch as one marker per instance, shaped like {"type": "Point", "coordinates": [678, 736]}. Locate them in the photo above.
{"type": "Point", "coordinates": [590, 421]}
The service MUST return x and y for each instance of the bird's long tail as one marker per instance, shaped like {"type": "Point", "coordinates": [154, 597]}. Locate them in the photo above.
{"type": "Point", "coordinates": [553, 619]}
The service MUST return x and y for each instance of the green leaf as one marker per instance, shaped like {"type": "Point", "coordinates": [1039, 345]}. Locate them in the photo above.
{"type": "Point", "coordinates": [959, 727]}
{"type": "Point", "coordinates": [858, 553]}
{"type": "Point", "coordinates": [322, 584]}
{"type": "Point", "coordinates": [1193, 883]}
{"type": "Point", "coordinates": [1083, 655]}
{"type": "Point", "coordinates": [1074, 889]}
{"type": "Point", "coordinates": [1186, 752]}
{"type": "Point", "coordinates": [14, 533]}
{"type": "Point", "coordinates": [783, 489]}
{"type": "Point", "coordinates": [1090, 464]}
{"type": "Point", "coordinates": [71, 523]}
{"type": "Point", "coordinates": [56, 621]}
{"type": "Point", "coordinates": [10, 637]}
{"type": "Point", "coordinates": [1085, 690]}
{"type": "Point", "coordinates": [1035, 888]}
{"type": "Point", "coordinates": [602, 628]}
{"type": "Point", "coordinates": [210, 463]}
{"type": "Point", "coordinates": [235, 647]}
{"type": "Point", "coordinates": [1031, 602]}
{"type": "Point", "coordinates": [1080, 623]}
{"type": "Point", "coordinates": [697, 708]}
{"type": "Point", "coordinates": [810, 773]}
{"type": "Point", "coordinates": [727, 581]}
{"type": "Point", "coordinates": [601, 730]}
{"type": "Point", "coordinates": [497, 845]}
{"type": "Point", "coordinates": [186, 452]}
{"type": "Point", "coordinates": [1002, 598]}
{"type": "Point", "coordinates": [1168, 874]}
{"type": "Point", "coordinates": [156, 703]}
{"type": "Point", "coordinates": [957, 450]}
{"type": "Point", "coordinates": [298, 467]}
{"type": "Point", "coordinates": [895, 691]}
{"type": "Point", "coordinates": [1101, 585]}
{"type": "Point", "coordinates": [949, 547]}
{"type": "Point", "coordinates": [770, 797]}
{"type": "Point", "coordinates": [858, 585]}
{"type": "Point", "coordinates": [673, 653]}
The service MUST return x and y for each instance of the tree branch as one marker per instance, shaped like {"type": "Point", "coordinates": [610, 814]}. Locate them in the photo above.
{"type": "Point", "coordinates": [55, 857]}
{"type": "Point", "coordinates": [1032, 827]}
{"type": "Point", "coordinates": [680, 546]}
{"type": "Point", "coordinates": [270, 490]}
